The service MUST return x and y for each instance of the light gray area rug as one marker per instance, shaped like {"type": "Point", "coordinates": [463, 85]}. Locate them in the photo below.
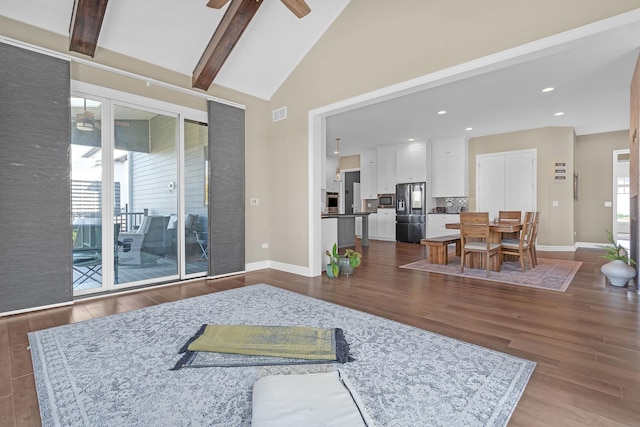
{"type": "Point", "coordinates": [114, 371]}
{"type": "Point", "coordinates": [550, 274]}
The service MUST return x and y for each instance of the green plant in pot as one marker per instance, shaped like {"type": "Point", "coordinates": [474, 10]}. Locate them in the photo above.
{"type": "Point", "coordinates": [333, 269]}
{"type": "Point", "coordinates": [349, 261]}
{"type": "Point", "coordinates": [620, 268]}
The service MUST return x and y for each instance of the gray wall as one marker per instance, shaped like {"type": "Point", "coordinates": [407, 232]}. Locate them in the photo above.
{"type": "Point", "coordinates": [35, 225]}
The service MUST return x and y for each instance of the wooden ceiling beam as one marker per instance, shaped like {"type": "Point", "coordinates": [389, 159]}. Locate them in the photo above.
{"type": "Point", "coordinates": [86, 23]}
{"type": "Point", "coordinates": [217, 4]}
{"type": "Point", "coordinates": [299, 7]}
{"type": "Point", "coordinates": [234, 22]}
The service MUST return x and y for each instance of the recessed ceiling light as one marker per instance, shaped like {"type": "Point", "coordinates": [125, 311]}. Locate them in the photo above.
{"type": "Point", "coordinates": [411, 139]}
{"type": "Point", "coordinates": [559, 113]}
{"type": "Point", "coordinates": [469, 129]}
{"type": "Point", "coordinates": [442, 112]}
{"type": "Point", "coordinates": [548, 89]}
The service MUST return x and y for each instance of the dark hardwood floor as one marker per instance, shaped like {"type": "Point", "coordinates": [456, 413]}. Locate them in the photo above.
{"type": "Point", "coordinates": [586, 341]}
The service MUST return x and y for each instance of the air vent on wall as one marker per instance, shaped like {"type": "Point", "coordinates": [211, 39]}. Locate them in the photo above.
{"type": "Point", "coordinates": [280, 114]}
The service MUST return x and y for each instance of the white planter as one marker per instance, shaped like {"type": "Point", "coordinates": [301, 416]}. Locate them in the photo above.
{"type": "Point", "coordinates": [618, 272]}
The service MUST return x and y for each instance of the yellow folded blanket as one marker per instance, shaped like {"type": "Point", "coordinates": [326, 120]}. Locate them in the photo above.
{"type": "Point", "coordinates": [276, 341]}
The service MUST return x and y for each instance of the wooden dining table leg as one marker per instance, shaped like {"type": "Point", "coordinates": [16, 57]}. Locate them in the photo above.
{"type": "Point", "coordinates": [496, 237]}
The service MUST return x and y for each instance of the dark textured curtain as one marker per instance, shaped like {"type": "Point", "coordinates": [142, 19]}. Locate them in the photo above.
{"type": "Point", "coordinates": [35, 229]}
{"type": "Point", "coordinates": [226, 189]}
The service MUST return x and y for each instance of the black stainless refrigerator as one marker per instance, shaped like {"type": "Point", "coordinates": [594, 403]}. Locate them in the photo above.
{"type": "Point", "coordinates": [411, 215]}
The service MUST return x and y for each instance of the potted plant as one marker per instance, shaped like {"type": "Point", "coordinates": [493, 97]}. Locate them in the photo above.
{"type": "Point", "coordinates": [333, 269]}
{"type": "Point", "coordinates": [619, 270]}
{"type": "Point", "coordinates": [349, 261]}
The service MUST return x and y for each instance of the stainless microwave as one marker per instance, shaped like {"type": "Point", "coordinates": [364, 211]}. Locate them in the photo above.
{"type": "Point", "coordinates": [387, 200]}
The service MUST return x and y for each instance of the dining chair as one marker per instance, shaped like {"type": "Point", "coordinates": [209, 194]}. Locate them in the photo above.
{"type": "Point", "coordinates": [520, 247]}
{"type": "Point", "coordinates": [533, 236]}
{"type": "Point", "coordinates": [475, 238]}
{"type": "Point", "coordinates": [509, 215]}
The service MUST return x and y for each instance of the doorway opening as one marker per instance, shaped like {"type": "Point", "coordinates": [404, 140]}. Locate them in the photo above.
{"type": "Point", "coordinates": [621, 197]}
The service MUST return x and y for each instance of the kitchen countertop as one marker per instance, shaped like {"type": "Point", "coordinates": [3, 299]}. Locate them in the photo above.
{"type": "Point", "coordinates": [327, 215]}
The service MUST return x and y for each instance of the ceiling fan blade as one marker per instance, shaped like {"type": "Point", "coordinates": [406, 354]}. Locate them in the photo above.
{"type": "Point", "coordinates": [217, 4]}
{"type": "Point", "coordinates": [299, 7]}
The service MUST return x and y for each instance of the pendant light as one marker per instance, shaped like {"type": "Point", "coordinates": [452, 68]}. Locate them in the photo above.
{"type": "Point", "coordinates": [337, 153]}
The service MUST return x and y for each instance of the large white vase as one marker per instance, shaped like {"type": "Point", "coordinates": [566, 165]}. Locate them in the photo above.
{"type": "Point", "coordinates": [618, 272]}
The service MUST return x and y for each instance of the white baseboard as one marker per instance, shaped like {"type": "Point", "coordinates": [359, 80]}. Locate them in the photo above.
{"type": "Point", "coordinates": [288, 268]}
{"type": "Point", "coordinates": [556, 248]}
{"type": "Point", "coordinates": [590, 245]}
{"type": "Point", "coordinates": [260, 265]}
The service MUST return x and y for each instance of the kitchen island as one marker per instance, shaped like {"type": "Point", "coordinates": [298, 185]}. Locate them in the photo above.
{"type": "Point", "coordinates": [345, 226]}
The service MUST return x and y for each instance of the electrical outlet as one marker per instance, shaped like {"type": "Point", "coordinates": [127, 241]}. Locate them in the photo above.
{"type": "Point", "coordinates": [265, 246]}
{"type": "Point", "coordinates": [255, 201]}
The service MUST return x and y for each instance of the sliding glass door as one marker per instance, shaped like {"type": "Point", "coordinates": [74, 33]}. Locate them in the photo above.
{"type": "Point", "coordinates": [145, 176]}
{"type": "Point", "coordinates": [86, 194]}
{"type": "Point", "coordinates": [196, 241]}
{"type": "Point", "coordinates": [142, 172]}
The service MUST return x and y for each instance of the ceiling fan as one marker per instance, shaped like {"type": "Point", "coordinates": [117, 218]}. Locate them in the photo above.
{"type": "Point", "coordinates": [299, 7]}
{"type": "Point", "coordinates": [86, 121]}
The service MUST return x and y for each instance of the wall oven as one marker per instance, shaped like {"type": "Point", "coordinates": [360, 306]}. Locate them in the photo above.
{"type": "Point", "coordinates": [332, 202]}
{"type": "Point", "coordinates": [387, 201]}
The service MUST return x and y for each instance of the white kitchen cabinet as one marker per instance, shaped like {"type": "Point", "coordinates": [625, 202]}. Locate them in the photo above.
{"type": "Point", "coordinates": [386, 169]}
{"type": "Point", "coordinates": [358, 226]}
{"type": "Point", "coordinates": [449, 168]}
{"type": "Point", "coordinates": [412, 162]}
{"type": "Point", "coordinates": [387, 224]}
{"type": "Point", "coordinates": [368, 182]}
{"type": "Point", "coordinates": [436, 224]}
{"type": "Point", "coordinates": [373, 226]}
{"type": "Point", "coordinates": [448, 147]}
{"type": "Point", "coordinates": [368, 158]}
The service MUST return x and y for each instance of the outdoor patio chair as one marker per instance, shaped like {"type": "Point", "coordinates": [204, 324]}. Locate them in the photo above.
{"type": "Point", "coordinates": [147, 244]}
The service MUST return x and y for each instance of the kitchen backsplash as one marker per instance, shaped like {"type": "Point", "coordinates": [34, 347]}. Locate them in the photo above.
{"type": "Point", "coordinates": [453, 203]}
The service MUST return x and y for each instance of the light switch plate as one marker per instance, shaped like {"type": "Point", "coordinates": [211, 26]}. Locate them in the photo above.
{"type": "Point", "coordinates": [555, 203]}
{"type": "Point", "coordinates": [607, 204]}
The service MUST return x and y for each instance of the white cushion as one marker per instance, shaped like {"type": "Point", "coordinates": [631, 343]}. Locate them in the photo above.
{"type": "Point", "coordinates": [514, 244]}
{"type": "Point", "coordinates": [303, 400]}
{"type": "Point", "coordinates": [173, 222]}
{"type": "Point", "coordinates": [144, 225]}
{"type": "Point", "coordinates": [480, 246]}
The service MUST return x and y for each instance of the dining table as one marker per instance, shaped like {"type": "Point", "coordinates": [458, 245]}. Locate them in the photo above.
{"type": "Point", "coordinates": [497, 228]}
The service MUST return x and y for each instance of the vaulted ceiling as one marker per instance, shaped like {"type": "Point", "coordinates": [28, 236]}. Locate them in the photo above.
{"type": "Point", "coordinates": [591, 74]}
{"type": "Point", "coordinates": [250, 54]}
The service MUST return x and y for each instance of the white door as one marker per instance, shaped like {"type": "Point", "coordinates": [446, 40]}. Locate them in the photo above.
{"type": "Point", "coordinates": [357, 203]}
{"type": "Point", "coordinates": [490, 184]}
{"type": "Point", "coordinates": [621, 192]}
{"type": "Point", "coordinates": [506, 181]}
{"type": "Point", "coordinates": [518, 180]}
